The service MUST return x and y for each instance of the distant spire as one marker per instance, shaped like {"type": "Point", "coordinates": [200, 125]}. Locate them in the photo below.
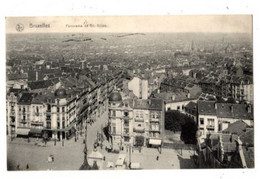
{"type": "Point", "coordinates": [192, 45]}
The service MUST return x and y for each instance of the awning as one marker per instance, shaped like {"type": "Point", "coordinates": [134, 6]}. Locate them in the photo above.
{"type": "Point", "coordinates": [71, 126]}
{"type": "Point", "coordinates": [35, 132]}
{"type": "Point", "coordinates": [155, 141]}
{"type": "Point", "coordinates": [22, 131]}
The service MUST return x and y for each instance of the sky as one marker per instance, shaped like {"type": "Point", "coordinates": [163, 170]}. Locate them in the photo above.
{"type": "Point", "coordinates": [134, 24]}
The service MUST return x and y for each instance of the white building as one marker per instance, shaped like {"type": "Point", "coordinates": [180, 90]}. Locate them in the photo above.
{"type": "Point", "coordinates": [139, 87]}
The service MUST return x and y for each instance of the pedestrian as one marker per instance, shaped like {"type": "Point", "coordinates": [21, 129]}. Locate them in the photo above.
{"type": "Point", "coordinates": [18, 166]}
{"type": "Point", "coordinates": [27, 166]}
{"type": "Point", "coordinates": [157, 158]}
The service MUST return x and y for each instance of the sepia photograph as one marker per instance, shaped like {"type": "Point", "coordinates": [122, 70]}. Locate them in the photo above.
{"type": "Point", "coordinates": [129, 92]}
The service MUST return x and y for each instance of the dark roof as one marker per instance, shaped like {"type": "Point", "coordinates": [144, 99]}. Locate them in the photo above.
{"type": "Point", "coordinates": [26, 98]}
{"type": "Point", "coordinates": [17, 76]}
{"type": "Point", "coordinates": [115, 96]}
{"type": "Point", "coordinates": [247, 137]}
{"type": "Point", "coordinates": [249, 156]}
{"type": "Point", "coordinates": [206, 108]}
{"type": "Point", "coordinates": [60, 93]}
{"type": "Point", "coordinates": [224, 110]}
{"type": "Point", "coordinates": [229, 142]}
{"type": "Point", "coordinates": [237, 111]}
{"type": "Point", "coordinates": [42, 84]}
{"type": "Point", "coordinates": [238, 127]}
{"type": "Point", "coordinates": [151, 104]}
{"type": "Point", "coordinates": [15, 91]}
{"type": "Point", "coordinates": [191, 105]}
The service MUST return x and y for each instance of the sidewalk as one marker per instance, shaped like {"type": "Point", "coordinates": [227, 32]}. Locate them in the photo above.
{"type": "Point", "coordinates": [69, 157]}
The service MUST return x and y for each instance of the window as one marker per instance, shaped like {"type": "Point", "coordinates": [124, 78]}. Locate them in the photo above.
{"type": "Point", "coordinates": [211, 122]}
{"type": "Point", "coordinates": [63, 109]}
{"type": "Point", "coordinates": [201, 121]}
{"type": "Point", "coordinates": [48, 107]}
{"type": "Point", "coordinates": [139, 125]}
{"type": "Point", "coordinates": [125, 114]}
{"type": "Point", "coordinates": [58, 109]}
{"type": "Point", "coordinates": [178, 107]}
{"type": "Point", "coordinates": [126, 122]}
{"type": "Point", "coordinates": [114, 129]}
{"type": "Point", "coordinates": [169, 109]}
{"type": "Point", "coordinates": [113, 113]}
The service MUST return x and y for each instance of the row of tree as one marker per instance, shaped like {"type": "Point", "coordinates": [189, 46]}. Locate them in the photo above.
{"type": "Point", "coordinates": [178, 122]}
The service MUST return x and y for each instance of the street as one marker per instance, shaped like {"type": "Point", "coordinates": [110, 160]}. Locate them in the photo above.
{"type": "Point", "coordinates": [35, 153]}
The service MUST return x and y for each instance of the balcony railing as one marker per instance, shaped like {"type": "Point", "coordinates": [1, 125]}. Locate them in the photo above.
{"type": "Point", "coordinates": [210, 127]}
{"type": "Point", "coordinates": [24, 121]}
{"type": "Point", "coordinates": [36, 123]}
{"type": "Point", "coordinates": [126, 133]}
{"type": "Point", "coordinates": [154, 129]}
{"type": "Point", "coordinates": [154, 120]}
{"type": "Point", "coordinates": [139, 129]}
{"type": "Point", "coordinates": [139, 120]}
{"type": "Point", "coordinates": [126, 117]}
{"type": "Point", "coordinates": [12, 113]}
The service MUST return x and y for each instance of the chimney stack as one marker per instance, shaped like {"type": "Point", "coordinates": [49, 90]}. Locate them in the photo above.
{"type": "Point", "coordinates": [231, 108]}
{"type": "Point", "coordinates": [249, 108]}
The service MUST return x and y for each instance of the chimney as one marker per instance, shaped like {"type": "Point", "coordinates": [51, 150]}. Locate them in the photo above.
{"type": "Point", "coordinates": [37, 76]}
{"type": "Point", "coordinates": [216, 106]}
{"type": "Point", "coordinates": [249, 108]}
{"type": "Point", "coordinates": [158, 90]}
{"type": "Point", "coordinates": [173, 97]}
{"type": "Point", "coordinates": [188, 95]}
{"type": "Point", "coordinates": [231, 108]}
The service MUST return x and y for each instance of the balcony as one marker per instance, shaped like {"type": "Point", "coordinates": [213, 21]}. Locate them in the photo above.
{"type": "Point", "coordinates": [126, 133]}
{"type": "Point", "coordinates": [154, 120]}
{"type": "Point", "coordinates": [139, 129]}
{"type": "Point", "coordinates": [125, 117]}
{"type": "Point", "coordinates": [154, 129]}
{"type": "Point", "coordinates": [12, 123]}
{"type": "Point", "coordinates": [139, 120]}
{"type": "Point", "coordinates": [211, 127]}
{"type": "Point", "coordinates": [12, 113]}
{"type": "Point", "coordinates": [24, 121]}
{"type": "Point", "coordinates": [36, 123]}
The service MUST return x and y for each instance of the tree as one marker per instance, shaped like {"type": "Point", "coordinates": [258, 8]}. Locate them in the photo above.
{"type": "Point", "coordinates": [188, 132]}
{"type": "Point", "coordinates": [176, 121]}
{"type": "Point", "coordinates": [139, 140]}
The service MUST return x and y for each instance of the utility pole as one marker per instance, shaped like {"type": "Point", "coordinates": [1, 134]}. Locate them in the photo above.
{"type": "Point", "coordinates": [86, 136]}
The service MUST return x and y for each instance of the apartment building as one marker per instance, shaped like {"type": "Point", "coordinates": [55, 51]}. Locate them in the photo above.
{"type": "Point", "coordinates": [132, 120]}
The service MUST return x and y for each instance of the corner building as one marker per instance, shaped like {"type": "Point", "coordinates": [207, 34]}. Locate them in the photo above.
{"type": "Point", "coordinates": [135, 121]}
